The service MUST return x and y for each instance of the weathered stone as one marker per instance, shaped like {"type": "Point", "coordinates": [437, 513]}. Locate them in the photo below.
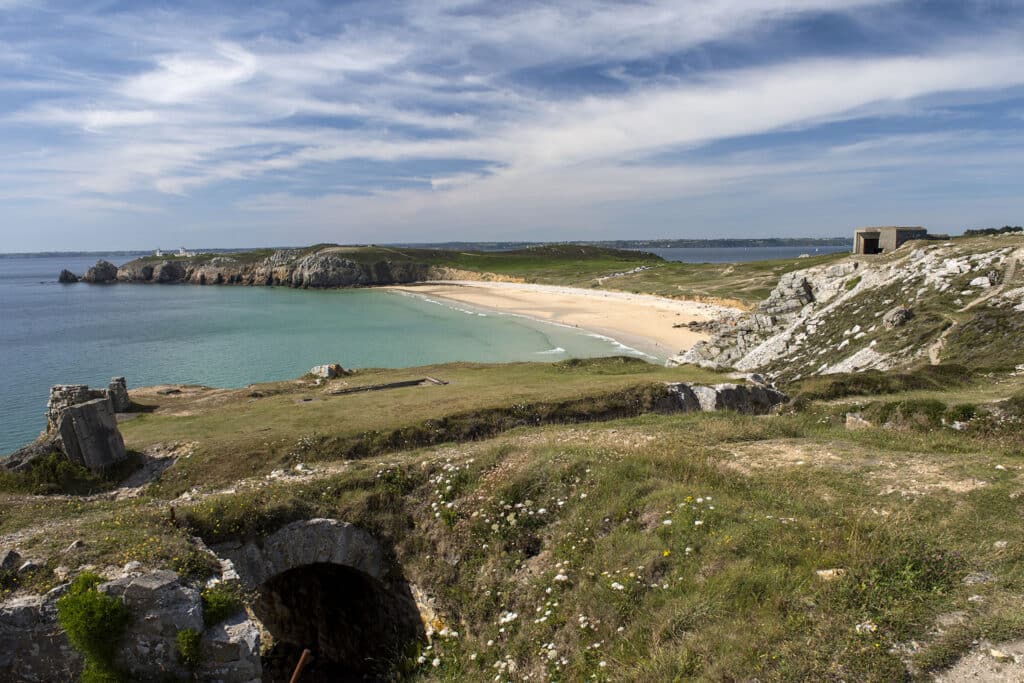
{"type": "Point", "coordinates": [305, 542]}
{"type": "Point", "coordinates": [117, 391]}
{"type": "Point", "coordinates": [984, 282]}
{"type": "Point", "coordinates": [33, 648]}
{"type": "Point", "coordinates": [327, 371]}
{"type": "Point", "coordinates": [855, 421]}
{"type": "Point", "coordinates": [101, 273]}
{"type": "Point", "coordinates": [9, 560]}
{"type": "Point", "coordinates": [897, 317]}
{"type": "Point", "coordinates": [230, 651]}
{"type": "Point", "coordinates": [89, 434]}
{"type": "Point", "coordinates": [750, 399]}
{"type": "Point", "coordinates": [67, 277]}
{"type": "Point", "coordinates": [65, 395]}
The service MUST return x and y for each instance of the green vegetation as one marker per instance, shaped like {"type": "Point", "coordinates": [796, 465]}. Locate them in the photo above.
{"type": "Point", "coordinates": [220, 601]}
{"type": "Point", "coordinates": [989, 338]}
{"type": "Point", "coordinates": [56, 474]}
{"type": "Point", "coordinates": [187, 645]}
{"type": "Point", "coordinates": [874, 382]}
{"type": "Point", "coordinates": [94, 623]}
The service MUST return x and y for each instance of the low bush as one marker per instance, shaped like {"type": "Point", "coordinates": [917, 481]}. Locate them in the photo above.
{"type": "Point", "coordinates": [94, 623]}
{"type": "Point", "coordinates": [874, 382]}
{"type": "Point", "coordinates": [55, 474]}
{"type": "Point", "coordinates": [187, 645]}
{"type": "Point", "coordinates": [220, 601]}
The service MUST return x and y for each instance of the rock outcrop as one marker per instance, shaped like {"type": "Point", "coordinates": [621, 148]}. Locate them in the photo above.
{"type": "Point", "coordinates": [102, 273]}
{"type": "Point", "coordinates": [67, 277]}
{"type": "Point", "coordinates": [327, 371]}
{"type": "Point", "coordinates": [89, 435]}
{"type": "Point", "coordinates": [749, 399]}
{"type": "Point", "coordinates": [33, 647]}
{"type": "Point", "coordinates": [858, 314]}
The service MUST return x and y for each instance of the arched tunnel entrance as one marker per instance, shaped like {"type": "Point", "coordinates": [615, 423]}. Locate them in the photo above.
{"type": "Point", "coordinates": [356, 626]}
{"type": "Point", "coordinates": [328, 586]}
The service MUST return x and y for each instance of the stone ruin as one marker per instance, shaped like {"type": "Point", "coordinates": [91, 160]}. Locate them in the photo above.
{"type": "Point", "coordinates": [82, 423]}
{"type": "Point", "coordinates": [320, 584]}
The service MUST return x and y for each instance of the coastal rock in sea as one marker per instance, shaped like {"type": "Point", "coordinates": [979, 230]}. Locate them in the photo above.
{"type": "Point", "coordinates": [89, 434]}
{"type": "Point", "coordinates": [117, 392]}
{"type": "Point", "coordinates": [102, 273]}
{"type": "Point", "coordinates": [67, 277]}
{"type": "Point", "coordinates": [169, 271]}
{"type": "Point", "coordinates": [327, 371]}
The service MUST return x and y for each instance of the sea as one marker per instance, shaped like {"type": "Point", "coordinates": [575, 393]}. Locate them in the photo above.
{"type": "Point", "coordinates": [739, 254]}
{"type": "Point", "coordinates": [52, 333]}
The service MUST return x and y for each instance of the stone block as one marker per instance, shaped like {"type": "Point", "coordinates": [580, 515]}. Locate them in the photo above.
{"type": "Point", "coordinates": [90, 435]}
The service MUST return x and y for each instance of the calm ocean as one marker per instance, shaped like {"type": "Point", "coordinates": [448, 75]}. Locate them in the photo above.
{"type": "Point", "coordinates": [229, 336]}
{"type": "Point", "coordinates": [738, 254]}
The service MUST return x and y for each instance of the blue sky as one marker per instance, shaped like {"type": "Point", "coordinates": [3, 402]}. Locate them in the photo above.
{"type": "Point", "coordinates": [138, 125]}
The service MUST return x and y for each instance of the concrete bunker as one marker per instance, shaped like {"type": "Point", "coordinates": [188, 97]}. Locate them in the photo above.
{"type": "Point", "coordinates": [327, 586]}
{"type": "Point", "coordinates": [885, 239]}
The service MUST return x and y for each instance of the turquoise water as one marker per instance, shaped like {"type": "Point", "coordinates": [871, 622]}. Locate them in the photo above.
{"type": "Point", "coordinates": [230, 336]}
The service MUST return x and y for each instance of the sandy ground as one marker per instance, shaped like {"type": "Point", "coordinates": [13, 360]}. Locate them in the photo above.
{"type": "Point", "coordinates": [640, 321]}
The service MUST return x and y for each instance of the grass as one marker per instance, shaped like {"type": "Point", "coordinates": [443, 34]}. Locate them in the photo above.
{"type": "Point", "coordinates": [564, 527]}
{"type": "Point", "coordinates": [282, 428]}
{"type": "Point", "coordinates": [56, 474]}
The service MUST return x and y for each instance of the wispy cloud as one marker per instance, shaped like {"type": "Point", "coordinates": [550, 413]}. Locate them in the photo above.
{"type": "Point", "coordinates": [462, 114]}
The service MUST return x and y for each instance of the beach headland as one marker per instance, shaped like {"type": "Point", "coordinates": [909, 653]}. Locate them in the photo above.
{"type": "Point", "coordinates": [651, 324]}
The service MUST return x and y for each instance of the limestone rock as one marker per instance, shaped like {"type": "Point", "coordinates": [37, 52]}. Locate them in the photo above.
{"type": "Point", "coordinates": [89, 434]}
{"type": "Point", "coordinates": [65, 395]}
{"type": "Point", "coordinates": [749, 399]}
{"type": "Point", "coordinates": [328, 371]}
{"type": "Point", "coordinates": [32, 647]}
{"type": "Point", "coordinates": [9, 560]}
{"type": "Point", "coordinates": [230, 651]}
{"type": "Point", "coordinates": [169, 271]}
{"type": "Point", "coordinates": [101, 273]}
{"type": "Point", "coordinates": [305, 542]}
{"type": "Point", "coordinates": [67, 277]}
{"type": "Point", "coordinates": [984, 282]}
{"type": "Point", "coordinates": [897, 317]}
{"type": "Point", "coordinates": [117, 391]}
{"type": "Point", "coordinates": [855, 421]}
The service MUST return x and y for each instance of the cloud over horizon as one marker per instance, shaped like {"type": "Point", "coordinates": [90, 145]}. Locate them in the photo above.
{"type": "Point", "coordinates": [231, 124]}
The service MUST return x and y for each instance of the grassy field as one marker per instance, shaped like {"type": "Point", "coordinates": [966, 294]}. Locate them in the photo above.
{"type": "Point", "coordinates": [656, 547]}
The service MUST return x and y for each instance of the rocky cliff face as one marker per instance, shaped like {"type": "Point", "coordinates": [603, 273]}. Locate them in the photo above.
{"type": "Point", "coordinates": [865, 312]}
{"type": "Point", "coordinates": [288, 268]}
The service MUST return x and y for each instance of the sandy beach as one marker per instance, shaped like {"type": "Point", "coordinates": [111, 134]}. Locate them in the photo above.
{"type": "Point", "coordinates": [640, 321]}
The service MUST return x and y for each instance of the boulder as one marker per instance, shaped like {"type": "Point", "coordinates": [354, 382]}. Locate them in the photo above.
{"type": "Point", "coordinates": [897, 317]}
{"type": "Point", "coordinates": [32, 647]}
{"type": "Point", "coordinates": [984, 282]}
{"type": "Point", "coordinates": [101, 273]}
{"type": "Point", "coordinates": [10, 560]}
{"type": "Point", "coordinates": [855, 421]}
{"type": "Point", "coordinates": [67, 277]}
{"type": "Point", "coordinates": [117, 392]}
{"type": "Point", "coordinates": [89, 434]}
{"type": "Point", "coordinates": [327, 371]}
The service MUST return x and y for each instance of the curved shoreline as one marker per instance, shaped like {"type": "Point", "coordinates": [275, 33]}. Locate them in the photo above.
{"type": "Point", "coordinates": [642, 322]}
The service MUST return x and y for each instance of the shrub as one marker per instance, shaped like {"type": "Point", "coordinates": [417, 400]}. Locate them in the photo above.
{"type": "Point", "coordinates": [187, 645]}
{"type": "Point", "coordinates": [94, 623]}
{"type": "Point", "coordinates": [54, 473]}
{"type": "Point", "coordinates": [220, 601]}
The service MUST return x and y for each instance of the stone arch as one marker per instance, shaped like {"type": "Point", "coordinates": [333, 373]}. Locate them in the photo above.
{"type": "Point", "coordinates": [328, 586]}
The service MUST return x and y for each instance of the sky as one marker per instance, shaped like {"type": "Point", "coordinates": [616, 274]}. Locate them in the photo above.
{"type": "Point", "coordinates": [221, 123]}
